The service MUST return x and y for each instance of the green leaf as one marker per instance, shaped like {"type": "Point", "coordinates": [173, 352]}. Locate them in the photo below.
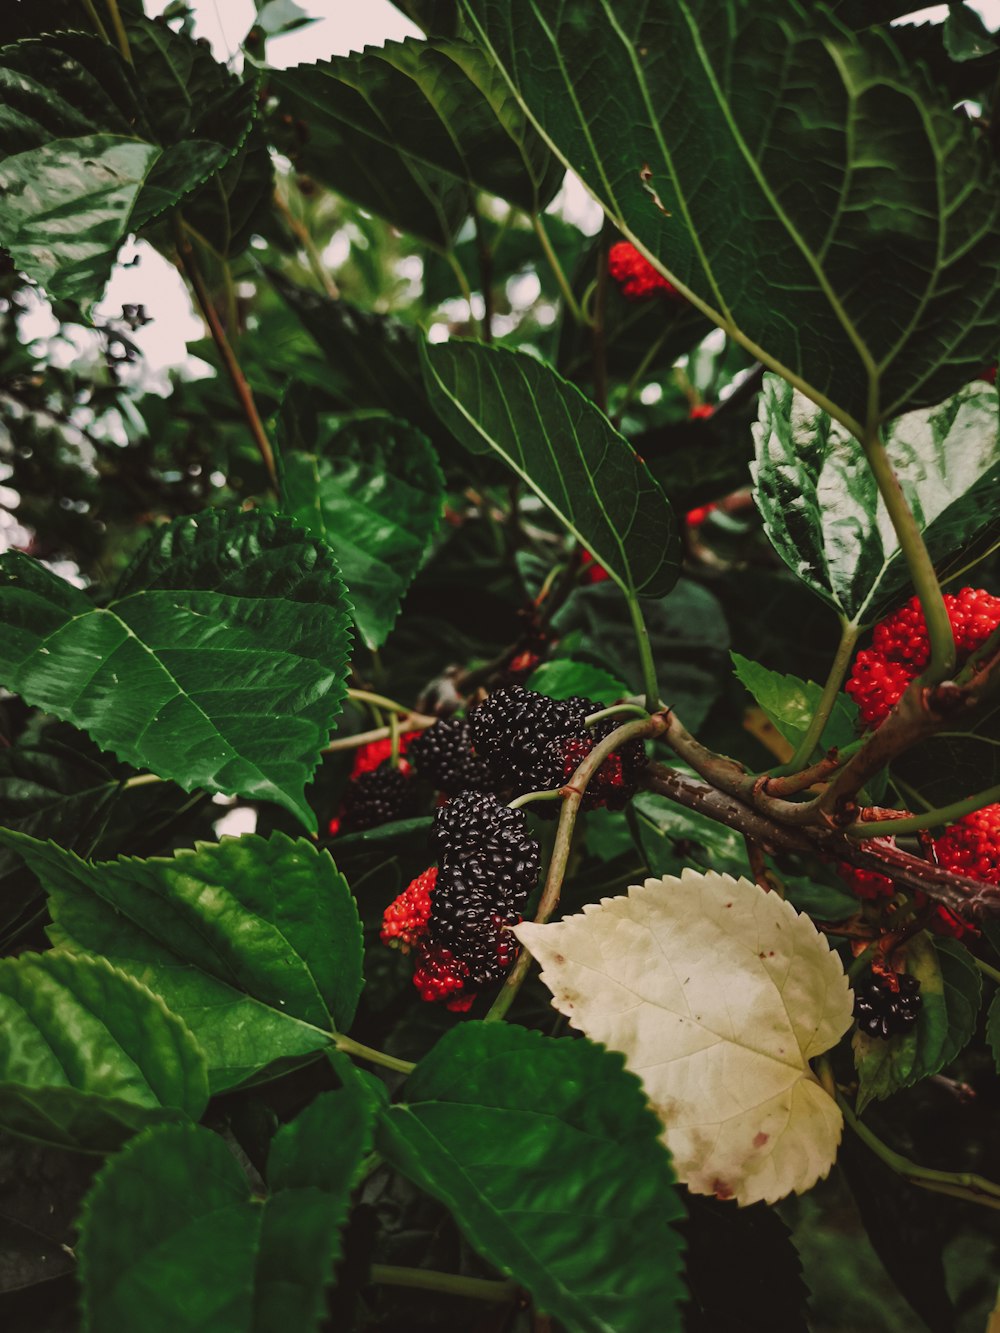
{"type": "Point", "coordinates": [820, 901]}
{"type": "Point", "coordinates": [790, 703]}
{"type": "Point", "coordinates": [207, 1255]}
{"type": "Point", "coordinates": [963, 994]}
{"type": "Point", "coordinates": [547, 1154]}
{"type": "Point", "coordinates": [821, 507]}
{"type": "Point", "coordinates": [993, 1028]}
{"type": "Point", "coordinates": [68, 204]}
{"type": "Point", "coordinates": [89, 151]}
{"type": "Point", "coordinates": [869, 208]}
{"type": "Point", "coordinates": [219, 662]}
{"type": "Point", "coordinates": [965, 35]}
{"type": "Point", "coordinates": [564, 678]}
{"type": "Point", "coordinates": [373, 359]}
{"type": "Point", "coordinates": [255, 942]}
{"type": "Point", "coordinates": [950, 990]}
{"type": "Point", "coordinates": [566, 450]}
{"type": "Point", "coordinates": [89, 1055]}
{"type": "Point", "coordinates": [671, 837]}
{"type": "Point", "coordinates": [372, 488]}
{"type": "Point", "coordinates": [410, 129]}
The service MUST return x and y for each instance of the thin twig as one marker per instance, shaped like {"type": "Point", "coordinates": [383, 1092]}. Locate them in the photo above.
{"type": "Point", "coordinates": [501, 1291]}
{"type": "Point", "coordinates": [244, 393]}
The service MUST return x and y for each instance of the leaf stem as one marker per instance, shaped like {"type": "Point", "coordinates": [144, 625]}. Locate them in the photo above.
{"type": "Point", "coordinates": [945, 814]}
{"type": "Point", "coordinates": [499, 1291]}
{"type": "Point", "coordinates": [918, 560]}
{"type": "Point", "coordinates": [838, 669]}
{"type": "Point", "coordinates": [379, 701]}
{"type": "Point", "coordinates": [412, 722]}
{"type": "Point", "coordinates": [616, 710]}
{"type": "Point", "coordinates": [572, 795]}
{"type": "Point", "coordinates": [119, 29]}
{"type": "Point", "coordinates": [555, 794]}
{"type": "Point", "coordinates": [649, 683]}
{"type": "Point", "coordinates": [351, 1047]}
{"type": "Point", "coordinates": [572, 305]}
{"type": "Point", "coordinates": [244, 393]}
{"type": "Point", "coordinates": [959, 1184]}
{"type": "Point", "coordinates": [97, 21]}
{"type": "Point", "coordinates": [463, 283]}
{"type": "Point", "coordinates": [987, 969]}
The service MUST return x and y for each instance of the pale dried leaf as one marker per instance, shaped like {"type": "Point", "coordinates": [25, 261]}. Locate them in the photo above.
{"type": "Point", "coordinates": [718, 995]}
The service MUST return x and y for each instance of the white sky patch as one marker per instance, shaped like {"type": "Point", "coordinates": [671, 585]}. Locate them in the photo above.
{"type": "Point", "coordinates": [341, 26]}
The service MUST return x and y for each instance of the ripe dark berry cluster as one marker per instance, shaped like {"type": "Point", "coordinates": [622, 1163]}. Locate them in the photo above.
{"type": "Point", "coordinates": [377, 797]}
{"type": "Point", "coordinates": [534, 743]}
{"type": "Point", "coordinates": [636, 276]}
{"type": "Point", "coordinates": [457, 914]}
{"type": "Point", "coordinates": [901, 649]}
{"type": "Point", "coordinates": [887, 1004]}
{"type": "Point", "coordinates": [444, 755]}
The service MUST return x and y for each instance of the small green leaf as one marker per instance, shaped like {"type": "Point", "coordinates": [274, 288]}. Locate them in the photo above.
{"type": "Point", "coordinates": [255, 942]}
{"type": "Point", "coordinates": [547, 1154]}
{"type": "Point", "coordinates": [963, 994]}
{"type": "Point", "coordinates": [950, 990]}
{"type": "Point", "coordinates": [965, 35]}
{"type": "Point", "coordinates": [820, 901]}
{"type": "Point", "coordinates": [790, 703]}
{"type": "Point", "coordinates": [671, 837]}
{"type": "Point", "coordinates": [821, 507]}
{"type": "Point", "coordinates": [869, 208]}
{"type": "Point", "coordinates": [88, 1055]}
{"type": "Point", "coordinates": [207, 1255]}
{"type": "Point", "coordinates": [372, 488]}
{"type": "Point", "coordinates": [566, 450]}
{"type": "Point", "coordinates": [564, 678]}
{"type": "Point", "coordinates": [219, 662]}
{"type": "Point", "coordinates": [993, 1028]}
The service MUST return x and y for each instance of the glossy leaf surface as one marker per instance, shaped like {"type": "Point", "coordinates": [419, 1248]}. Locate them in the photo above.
{"type": "Point", "coordinates": [219, 662]}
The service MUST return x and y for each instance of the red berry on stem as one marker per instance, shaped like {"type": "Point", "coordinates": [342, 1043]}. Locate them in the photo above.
{"type": "Point", "coordinates": [404, 921]}
{"type": "Point", "coordinates": [636, 276]}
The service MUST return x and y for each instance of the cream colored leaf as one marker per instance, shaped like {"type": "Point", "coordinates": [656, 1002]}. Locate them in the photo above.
{"type": "Point", "coordinates": [718, 995]}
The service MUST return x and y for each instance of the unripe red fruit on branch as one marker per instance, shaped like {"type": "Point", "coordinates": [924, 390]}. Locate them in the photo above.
{"type": "Point", "coordinates": [901, 649]}
{"type": "Point", "coordinates": [636, 276]}
{"type": "Point", "coordinates": [971, 846]}
{"type": "Point", "coordinates": [368, 757]}
{"type": "Point", "coordinates": [404, 921]}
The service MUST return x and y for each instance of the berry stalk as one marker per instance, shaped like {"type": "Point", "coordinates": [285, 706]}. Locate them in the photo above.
{"type": "Point", "coordinates": [573, 793]}
{"type": "Point", "coordinates": [500, 1291]}
{"type": "Point", "coordinates": [945, 814]}
{"type": "Point", "coordinates": [960, 1184]}
{"type": "Point", "coordinates": [838, 670]}
{"type": "Point", "coordinates": [918, 561]}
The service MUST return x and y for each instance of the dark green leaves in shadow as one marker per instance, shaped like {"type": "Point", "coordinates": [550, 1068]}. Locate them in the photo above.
{"type": "Point", "coordinates": [170, 1238]}
{"type": "Point", "coordinates": [814, 192]}
{"type": "Point", "coordinates": [255, 942]}
{"type": "Point", "coordinates": [219, 662]}
{"type": "Point", "coordinates": [88, 152]}
{"type": "Point", "coordinates": [549, 1157]}
{"type": "Point", "coordinates": [411, 129]}
{"type": "Point", "coordinates": [821, 507]}
{"type": "Point", "coordinates": [566, 450]}
{"type": "Point", "coordinates": [88, 1055]}
{"type": "Point", "coordinates": [371, 487]}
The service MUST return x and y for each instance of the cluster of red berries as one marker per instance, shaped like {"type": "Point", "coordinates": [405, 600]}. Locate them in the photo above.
{"type": "Point", "coordinates": [457, 914]}
{"type": "Point", "coordinates": [534, 743]}
{"type": "Point", "coordinates": [636, 276]}
{"type": "Point", "coordinates": [970, 846]}
{"type": "Point", "coordinates": [901, 649]}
